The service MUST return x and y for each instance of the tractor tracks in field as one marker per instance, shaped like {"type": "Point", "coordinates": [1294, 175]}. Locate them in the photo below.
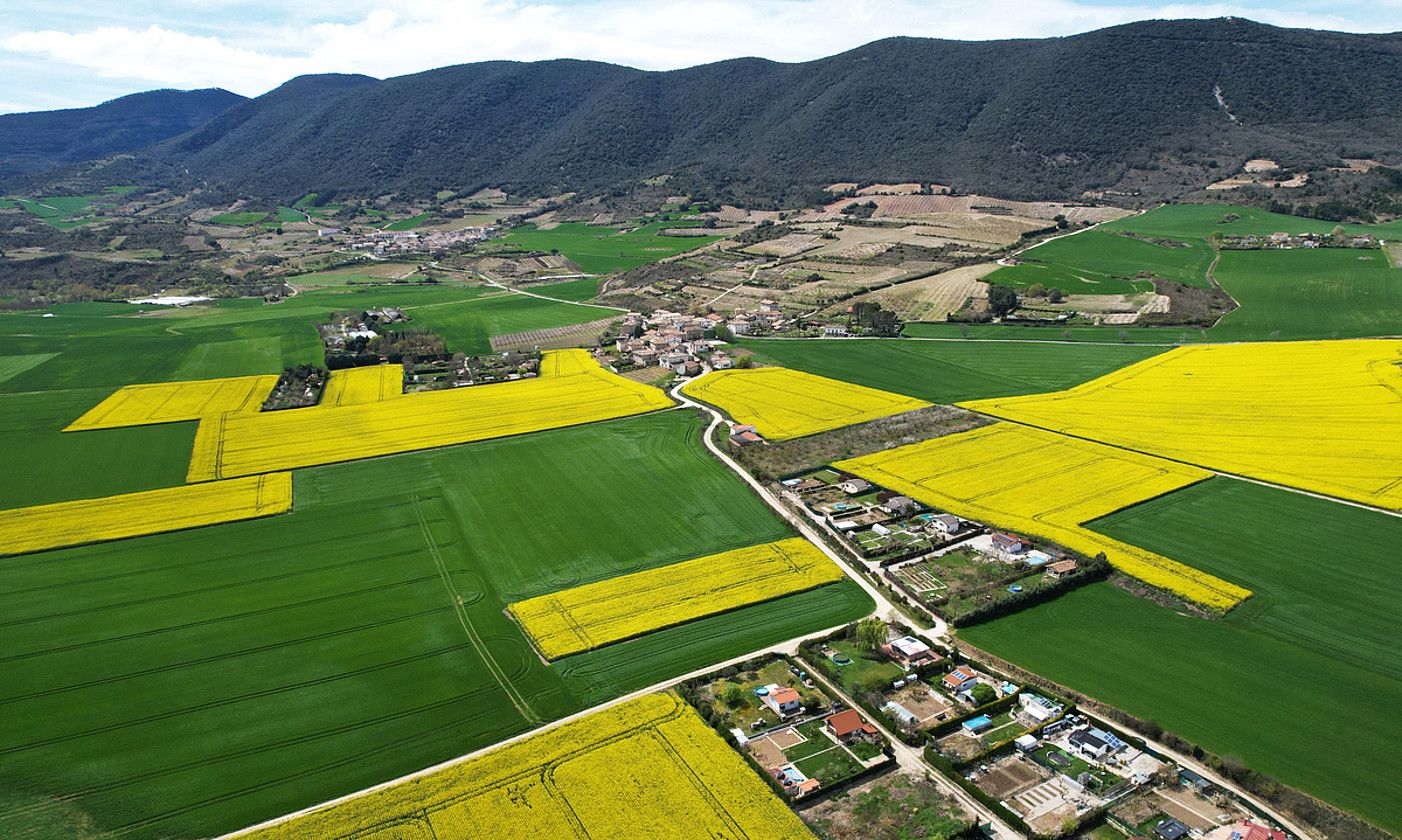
{"type": "Point", "coordinates": [523, 707]}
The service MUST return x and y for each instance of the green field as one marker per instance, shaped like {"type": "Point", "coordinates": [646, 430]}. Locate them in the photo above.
{"type": "Point", "coordinates": [64, 212]}
{"type": "Point", "coordinates": [581, 289]}
{"type": "Point", "coordinates": [1029, 332]}
{"type": "Point", "coordinates": [600, 250]}
{"type": "Point", "coordinates": [1284, 294]}
{"type": "Point", "coordinates": [1289, 680]}
{"type": "Point", "coordinates": [1099, 262]}
{"type": "Point", "coordinates": [54, 369]}
{"type": "Point", "coordinates": [192, 683]}
{"type": "Point", "coordinates": [240, 219]}
{"type": "Point", "coordinates": [468, 327]}
{"type": "Point", "coordinates": [409, 223]}
{"type": "Point", "coordinates": [1324, 293]}
{"type": "Point", "coordinates": [947, 372]}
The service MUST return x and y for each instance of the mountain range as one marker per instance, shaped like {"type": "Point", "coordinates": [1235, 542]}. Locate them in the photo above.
{"type": "Point", "coordinates": [42, 140]}
{"type": "Point", "coordinates": [1154, 106]}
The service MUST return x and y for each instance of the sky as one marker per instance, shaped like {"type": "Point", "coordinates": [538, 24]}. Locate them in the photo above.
{"type": "Point", "coordinates": [82, 52]}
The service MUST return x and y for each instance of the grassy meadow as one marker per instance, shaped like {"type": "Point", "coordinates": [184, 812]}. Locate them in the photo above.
{"type": "Point", "coordinates": [599, 250]}
{"type": "Point", "coordinates": [1096, 262]}
{"type": "Point", "coordinates": [947, 372]}
{"type": "Point", "coordinates": [1286, 681]}
{"type": "Point", "coordinates": [366, 633]}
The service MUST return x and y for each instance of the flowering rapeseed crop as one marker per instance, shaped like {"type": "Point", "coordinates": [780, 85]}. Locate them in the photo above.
{"type": "Point", "coordinates": [596, 614]}
{"type": "Point", "coordinates": [645, 768]}
{"type": "Point", "coordinates": [352, 386]}
{"type": "Point", "coordinates": [148, 512]}
{"type": "Point", "coordinates": [1046, 485]}
{"type": "Point", "coordinates": [572, 389]}
{"type": "Point", "coordinates": [168, 402]}
{"type": "Point", "coordinates": [783, 403]}
{"type": "Point", "coordinates": [1318, 415]}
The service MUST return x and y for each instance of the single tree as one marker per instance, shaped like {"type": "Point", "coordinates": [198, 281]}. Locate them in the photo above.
{"type": "Point", "coordinates": [871, 634]}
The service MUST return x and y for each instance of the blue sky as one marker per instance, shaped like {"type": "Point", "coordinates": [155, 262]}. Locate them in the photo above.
{"type": "Point", "coordinates": [59, 55]}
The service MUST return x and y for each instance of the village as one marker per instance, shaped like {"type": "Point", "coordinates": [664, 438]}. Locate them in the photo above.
{"type": "Point", "coordinates": [828, 720]}
{"type": "Point", "coordinates": [382, 242]}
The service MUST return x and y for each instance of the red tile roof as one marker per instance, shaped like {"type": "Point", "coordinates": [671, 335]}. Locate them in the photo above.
{"type": "Point", "coordinates": [846, 722]}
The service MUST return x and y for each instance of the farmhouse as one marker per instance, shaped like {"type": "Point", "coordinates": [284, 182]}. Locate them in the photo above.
{"type": "Point", "coordinates": [909, 651]}
{"type": "Point", "coordinates": [898, 505]}
{"type": "Point", "coordinates": [960, 679]}
{"type": "Point", "coordinates": [1010, 543]}
{"type": "Point", "coordinates": [783, 701]}
{"type": "Point", "coordinates": [1038, 708]}
{"type": "Point", "coordinates": [1170, 829]}
{"type": "Point", "coordinates": [946, 523]}
{"type": "Point", "coordinates": [1245, 830]}
{"type": "Point", "coordinates": [853, 486]}
{"type": "Point", "coordinates": [847, 726]}
{"type": "Point", "coordinates": [1060, 567]}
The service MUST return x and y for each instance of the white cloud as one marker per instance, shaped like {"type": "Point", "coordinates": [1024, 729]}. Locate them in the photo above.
{"type": "Point", "coordinates": [256, 54]}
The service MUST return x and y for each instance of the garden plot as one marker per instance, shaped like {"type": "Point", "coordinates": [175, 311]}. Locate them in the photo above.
{"type": "Point", "coordinates": [1320, 416]}
{"type": "Point", "coordinates": [1045, 485]}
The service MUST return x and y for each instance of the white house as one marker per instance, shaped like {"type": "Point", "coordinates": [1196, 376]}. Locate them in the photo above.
{"type": "Point", "coordinates": [782, 700]}
{"type": "Point", "coordinates": [853, 486]}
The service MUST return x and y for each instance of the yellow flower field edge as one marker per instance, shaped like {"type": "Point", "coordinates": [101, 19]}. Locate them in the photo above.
{"type": "Point", "coordinates": [24, 530]}
{"type": "Point", "coordinates": [1047, 485]}
{"type": "Point", "coordinates": [170, 402]}
{"type": "Point", "coordinates": [609, 611]}
{"type": "Point", "coordinates": [648, 767]}
{"type": "Point", "coordinates": [571, 390]}
{"type": "Point", "coordinates": [353, 386]}
{"type": "Point", "coordinates": [783, 403]}
{"type": "Point", "coordinates": [1321, 416]}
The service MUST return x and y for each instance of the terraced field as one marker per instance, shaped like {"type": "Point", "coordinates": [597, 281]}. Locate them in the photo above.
{"type": "Point", "coordinates": [367, 630]}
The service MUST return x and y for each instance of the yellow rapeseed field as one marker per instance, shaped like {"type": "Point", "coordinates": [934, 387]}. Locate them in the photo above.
{"type": "Point", "coordinates": [572, 389]}
{"type": "Point", "coordinates": [1322, 416]}
{"type": "Point", "coordinates": [148, 512]}
{"type": "Point", "coordinates": [596, 614]}
{"type": "Point", "coordinates": [645, 768]}
{"type": "Point", "coordinates": [353, 386]}
{"type": "Point", "coordinates": [167, 402]}
{"type": "Point", "coordinates": [783, 403]}
{"type": "Point", "coordinates": [1046, 485]}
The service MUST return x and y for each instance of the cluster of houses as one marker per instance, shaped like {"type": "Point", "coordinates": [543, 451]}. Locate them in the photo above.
{"type": "Point", "coordinates": [672, 340]}
{"type": "Point", "coordinates": [768, 318]}
{"type": "Point", "coordinates": [874, 520]}
{"type": "Point", "coordinates": [410, 241]}
{"type": "Point", "coordinates": [348, 331]}
{"type": "Point", "coordinates": [1281, 240]}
